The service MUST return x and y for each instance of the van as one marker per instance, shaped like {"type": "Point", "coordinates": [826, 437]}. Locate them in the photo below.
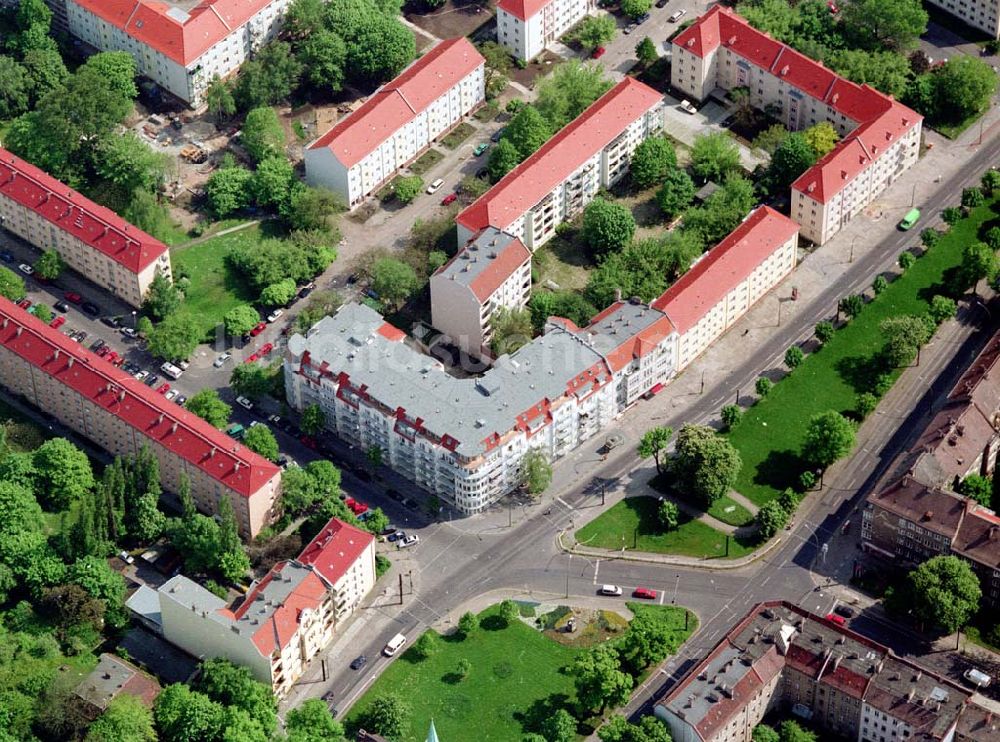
{"type": "Point", "coordinates": [171, 370]}
{"type": "Point", "coordinates": [911, 218]}
{"type": "Point", "coordinates": [394, 645]}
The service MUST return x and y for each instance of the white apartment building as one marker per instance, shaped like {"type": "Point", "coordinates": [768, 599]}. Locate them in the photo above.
{"type": "Point", "coordinates": [492, 271]}
{"type": "Point", "coordinates": [91, 239]}
{"type": "Point", "coordinates": [122, 415]}
{"type": "Point", "coordinates": [880, 137]}
{"type": "Point", "coordinates": [179, 45]}
{"type": "Point", "coordinates": [285, 620]}
{"type": "Point", "coordinates": [981, 14]}
{"type": "Point", "coordinates": [527, 27]}
{"type": "Point", "coordinates": [556, 182]}
{"type": "Point", "coordinates": [398, 122]}
{"type": "Point", "coordinates": [729, 279]}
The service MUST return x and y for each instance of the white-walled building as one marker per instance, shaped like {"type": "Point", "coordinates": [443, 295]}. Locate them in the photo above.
{"type": "Point", "coordinates": [527, 27]}
{"type": "Point", "coordinates": [728, 280]}
{"type": "Point", "coordinates": [556, 182]}
{"type": "Point", "coordinates": [285, 620]}
{"type": "Point", "coordinates": [981, 14]}
{"type": "Point", "coordinates": [880, 138]}
{"type": "Point", "coordinates": [179, 45]}
{"type": "Point", "coordinates": [91, 239]}
{"type": "Point", "coordinates": [398, 122]}
{"type": "Point", "coordinates": [492, 271]}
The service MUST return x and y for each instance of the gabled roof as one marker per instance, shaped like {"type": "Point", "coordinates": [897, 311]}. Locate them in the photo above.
{"type": "Point", "coordinates": [335, 549]}
{"type": "Point", "coordinates": [486, 262]}
{"type": "Point", "coordinates": [560, 157]}
{"type": "Point", "coordinates": [724, 267]}
{"type": "Point", "coordinates": [94, 225]}
{"type": "Point", "coordinates": [400, 101]}
{"type": "Point", "coordinates": [523, 9]}
{"type": "Point", "coordinates": [182, 433]}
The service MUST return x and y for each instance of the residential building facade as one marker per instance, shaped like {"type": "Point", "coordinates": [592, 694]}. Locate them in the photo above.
{"type": "Point", "coordinates": [880, 138]}
{"type": "Point", "coordinates": [491, 272]}
{"type": "Point", "coordinates": [527, 27]}
{"type": "Point", "coordinates": [556, 182]}
{"type": "Point", "coordinates": [180, 46]}
{"type": "Point", "coordinates": [782, 658]}
{"type": "Point", "coordinates": [91, 239]}
{"type": "Point", "coordinates": [983, 15]}
{"type": "Point", "coordinates": [121, 415]}
{"type": "Point", "coordinates": [286, 618]}
{"type": "Point", "coordinates": [398, 122]}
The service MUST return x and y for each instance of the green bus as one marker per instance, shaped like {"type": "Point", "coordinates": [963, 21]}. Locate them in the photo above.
{"type": "Point", "coordinates": [911, 218]}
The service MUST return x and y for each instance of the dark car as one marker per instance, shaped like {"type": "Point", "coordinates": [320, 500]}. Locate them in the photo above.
{"type": "Point", "coordinates": [394, 494]}
{"type": "Point", "coordinates": [97, 344]}
{"type": "Point", "coordinates": [844, 610]}
{"type": "Point", "coordinates": [397, 536]}
{"type": "Point", "coordinates": [642, 19]}
{"type": "Point", "coordinates": [359, 662]}
{"type": "Point", "coordinates": [662, 3]}
{"type": "Point", "coordinates": [353, 279]}
{"type": "Point", "coordinates": [498, 134]}
{"type": "Point", "coordinates": [305, 291]}
{"type": "Point", "coordinates": [151, 380]}
{"type": "Point", "coordinates": [6, 257]}
{"type": "Point", "coordinates": [388, 531]}
{"type": "Point", "coordinates": [61, 306]}
{"type": "Point", "coordinates": [92, 309]}
{"type": "Point", "coordinates": [111, 322]}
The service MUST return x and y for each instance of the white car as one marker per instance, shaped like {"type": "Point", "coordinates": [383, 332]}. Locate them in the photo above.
{"type": "Point", "coordinates": [432, 188]}
{"type": "Point", "coordinates": [687, 107]}
{"type": "Point", "coordinates": [677, 15]}
{"type": "Point", "coordinates": [141, 375]}
{"type": "Point", "coordinates": [26, 269]}
{"type": "Point", "coordinates": [128, 332]}
{"type": "Point", "coordinates": [408, 542]}
{"type": "Point", "coordinates": [610, 590]}
{"type": "Point", "coordinates": [171, 394]}
{"type": "Point", "coordinates": [220, 361]}
{"type": "Point", "coordinates": [273, 316]}
{"type": "Point", "coordinates": [244, 403]}
{"type": "Point", "coordinates": [977, 677]}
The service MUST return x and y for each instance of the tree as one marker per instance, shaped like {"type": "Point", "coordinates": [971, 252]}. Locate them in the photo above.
{"type": "Point", "coordinates": [792, 158]}
{"type": "Point", "coordinates": [731, 415]}
{"type": "Point", "coordinates": [272, 182]}
{"type": "Point", "coordinates": [792, 731]}
{"type": "Point", "coordinates": [885, 24]}
{"type": "Point", "coordinates": [310, 209]}
{"type": "Point", "coordinates": [387, 715]}
{"type": "Point", "coordinates": [509, 612]}
{"type": "Point", "coordinates": [723, 211]}
{"type": "Point", "coordinates": [944, 592]}
{"type": "Point", "coordinates": [977, 487]}
{"type": "Point", "coordinates": [11, 285]}
{"type": "Point", "coordinates": [568, 90]}
{"type": "Point", "coordinates": [607, 226]}
{"type": "Point", "coordinates": [498, 66]}
{"type": "Point", "coordinates": [376, 522]}
{"type": "Point", "coordinates": [260, 439]}
{"type": "Point", "coordinates": [393, 280]}
{"type": "Point", "coordinates": [250, 380]}
{"type": "Point", "coordinates": [63, 473]}
{"type": "Point", "coordinates": [162, 297]}
{"type": "Point", "coordinates": [268, 78]}
{"type": "Point", "coordinates": [279, 293]}
{"type": "Point", "coordinates": [182, 714]}
{"type": "Point", "coordinates": [645, 52]}
{"type": "Point", "coordinates": [313, 419]}
{"type": "Point", "coordinates": [233, 685]}
{"type": "Point", "coordinates": [126, 719]}
{"type": "Point", "coordinates": [972, 197]}
{"type": "Point", "coordinates": [668, 514]}
{"type": "Point", "coordinates": [228, 190]}
{"type": "Point", "coordinates": [408, 188]}
{"type": "Point", "coordinates": [468, 624]}
{"type": "Point", "coordinates": [771, 518]}
{"type": "Point", "coordinates": [951, 215]}
{"type": "Point", "coordinates": [511, 330]}
{"type": "Point", "coordinates": [763, 386]}
{"type": "Point", "coordinates": [240, 320]}
{"type": "Point", "coordinates": [824, 332]}
{"type": "Point", "coordinates": [851, 305]}
{"type": "Point", "coordinates": [537, 472]}
{"type": "Point", "coordinates": [424, 646]}
{"type": "Point", "coordinates": [830, 436]}
{"type": "Point", "coordinates": [865, 404]}
{"type": "Point", "coordinates": [129, 163]}
{"type": "Point", "coordinates": [503, 158]}
{"type": "Point", "coordinates": [324, 56]}
{"type": "Point", "coordinates": [794, 357]}
{"type": "Point", "coordinates": [635, 8]}
{"type": "Point", "coordinates": [963, 86]}
{"type": "Point", "coordinates": [978, 262]}
{"type": "Point", "coordinates": [595, 30]}
{"type": "Point", "coordinates": [652, 161]}
{"type": "Point", "coordinates": [46, 71]}
{"type": "Point", "coordinates": [118, 68]}
{"type": "Point", "coordinates": [879, 285]}
{"type": "Point", "coordinates": [598, 679]}
{"type": "Point", "coordinates": [771, 138]}
{"type": "Point", "coordinates": [887, 71]}
{"type": "Point", "coordinates": [821, 137]}
{"type": "Point", "coordinates": [144, 326]}
{"type": "Point", "coordinates": [262, 135]}
{"type": "Point", "coordinates": [95, 575]}
{"type": "Point", "coordinates": [715, 155]}
{"type": "Point", "coordinates": [49, 265]}
{"type": "Point", "coordinates": [991, 181]}
{"type": "Point", "coordinates": [705, 464]}
{"type": "Point", "coordinates": [219, 99]}
{"type": "Point", "coordinates": [569, 304]}
{"type": "Point", "coordinates": [764, 733]}
{"type": "Point", "coordinates": [654, 443]}
{"type": "Point", "coordinates": [559, 726]}
{"type": "Point", "coordinates": [312, 722]}
{"type": "Point", "coordinates": [380, 49]}
{"type": "Point", "coordinates": [14, 87]}
{"type": "Point", "coordinates": [903, 337]}
{"type": "Point", "coordinates": [207, 405]}
{"type": "Point", "coordinates": [527, 131]}
{"type": "Point", "coordinates": [942, 308]}
{"type": "Point", "coordinates": [175, 338]}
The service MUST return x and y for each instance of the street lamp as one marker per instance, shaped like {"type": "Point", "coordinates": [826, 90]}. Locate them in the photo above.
{"type": "Point", "coordinates": [134, 327]}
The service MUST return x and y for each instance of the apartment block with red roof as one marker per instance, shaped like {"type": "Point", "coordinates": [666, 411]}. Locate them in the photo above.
{"type": "Point", "coordinates": [555, 183]}
{"type": "Point", "coordinates": [492, 272]}
{"type": "Point", "coordinates": [398, 121]}
{"type": "Point", "coordinates": [784, 659]}
{"type": "Point", "coordinates": [728, 280]}
{"type": "Point", "coordinates": [286, 618]}
{"type": "Point", "coordinates": [880, 138]}
{"type": "Point", "coordinates": [91, 239]}
{"type": "Point", "coordinates": [121, 415]}
{"type": "Point", "coordinates": [180, 45]}
{"type": "Point", "coordinates": [527, 27]}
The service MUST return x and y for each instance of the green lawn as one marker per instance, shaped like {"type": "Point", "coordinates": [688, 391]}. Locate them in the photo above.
{"type": "Point", "coordinates": [769, 436]}
{"type": "Point", "coordinates": [458, 135]}
{"type": "Point", "coordinates": [426, 161]}
{"type": "Point", "coordinates": [514, 671]}
{"type": "Point", "coordinates": [215, 287]}
{"type": "Point", "coordinates": [632, 523]}
{"type": "Point", "coordinates": [564, 261]}
{"type": "Point", "coordinates": [729, 511]}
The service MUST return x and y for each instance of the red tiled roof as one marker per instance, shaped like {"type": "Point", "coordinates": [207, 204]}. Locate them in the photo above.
{"type": "Point", "coordinates": [94, 225]}
{"type": "Point", "coordinates": [633, 346]}
{"type": "Point", "coordinates": [533, 179]}
{"type": "Point", "coordinates": [523, 9]}
{"type": "Point", "coordinates": [183, 36]}
{"type": "Point", "coordinates": [724, 267]}
{"type": "Point", "coordinates": [398, 102]}
{"type": "Point", "coordinates": [512, 257]}
{"type": "Point", "coordinates": [335, 549]}
{"type": "Point", "coordinates": [278, 629]}
{"type": "Point", "coordinates": [182, 433]}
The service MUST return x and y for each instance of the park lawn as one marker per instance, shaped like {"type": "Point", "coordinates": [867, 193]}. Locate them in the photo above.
{"type": "Point", "coordinates": [633, 524]}
{"type": "Point", "coordinates": [513, 669]}
{"type": "Point", "coordinates": [769, 435]}
{"type": "Point", "coordinates": [565, 262]}
{"type": "Point", "coordinates": [215, 287]}
{"type": "Point", "coordinates": [737, 515]}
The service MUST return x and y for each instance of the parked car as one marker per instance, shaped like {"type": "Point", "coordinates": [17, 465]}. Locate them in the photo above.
{"type": "Point", "coordinates": [844, 610]}
{"type": "Point", "coordinates": [26, 269]}
{"type": "Point", "coordinates": [449, 199]}
{"type": "Point", "coordinates": [834, 618]}
{"type": "Point", "coordinates": [610, 590]}
{"type": "Point", "coordinates": [432, 188]}
{"type": "Point", "coordinates": [180, 399]}
{"type": "Point", "coordinates": [141, 375]}
{"type": "Point", "coordinates": [6, 257]}
{"type": "Point", "coordinates": [72, 296]}
{"type": "Point", "coordinates": [98, 345]}
{"type": "Point", "coordinates": [112, 357]}
{"type": "Point", "coordinates": [112, 322]}
{"type": "Point", "coordinates": [151, 380]}
{"type": "Point", "coordinates": [90, 308]}
{"type": "Point", "coordinates": [397, 536]}
{"type": "Point", "coordinates": [407, 542]}
{"type": "Point", "coordinates": [598, 52]}
{"type": "Point", "coordinates": [265, 349]}
{"type": "Point", "coordinates": [645, 593]}
{"type": "Point", "coordinates": [221, 360]}
{"type": "Point", "coordinates": [306, 290]}
{"type": "Point", "coordinates": [24, 304]}
{"type": "Point", "coordinates": [309, 442]}
{"type": "Point", "coordinates": [498, 135]}
{"type": "Point", "coordinates": [275, 420]}
{"type": "Point", "coordinates": [977, 677]}
{"type": "Point", "coordinates": [80, 335]}
{"type": "Point", "coordinates": [687, 107]}
{"type": "Point", "coordinates": [353, 279]}
{"type": "Point", "coordinates": [642, 19]}
{"type": "Point", "coordinates": [273, 316]}
{"type": "Point", "coordinates": [260, 327]}
{"type": "Point", "coordinates": [630, 28]}
{"type": "Point", "coordinates": [480, 148]}
{"type": "Point", "coordinates": [251, 358]}
{"type": "Point", "coordinates": [662, 3]}
{"type": "Point", "coordinates": [677, 15]}
{"type": "Point", "coordinates": [163, 388]}
{"type": "Point", "coordinates": [245, 403]}
{"type": "Point", "coordinates": [57, 322]}
{"type": "Point", "coordinates": [128, 332]}
{"type": "Point", "coordinates": [359, 662]}
{"type": "Point", "coordinates": [61, 306]}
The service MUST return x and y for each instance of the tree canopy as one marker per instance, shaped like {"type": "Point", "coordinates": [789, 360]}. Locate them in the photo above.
{"type": "Point", "coordinates": [705, 463]}
{"type": "Point", "coordinates": [943, 592]}
{"type": "Point", "coordinates": [714, 155]}
{"type": "Point", "coordinates": [830, 436]}
{"type": "Point", "coordinates": [607, 226]}
{"type": "Point", "coordinates": [207, 405]}
{"type": "Point", "coordinates": [652, 161]}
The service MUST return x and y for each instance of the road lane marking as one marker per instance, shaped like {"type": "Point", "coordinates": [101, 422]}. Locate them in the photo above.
{"type": "Point", "coordinates": [597, 568]}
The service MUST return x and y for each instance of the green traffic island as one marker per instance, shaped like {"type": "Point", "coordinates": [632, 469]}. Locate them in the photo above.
{"type": "Point", "coordinates": [520, 668]}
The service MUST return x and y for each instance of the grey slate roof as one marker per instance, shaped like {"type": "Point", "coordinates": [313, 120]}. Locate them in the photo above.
{"type": "Point", "coordinates": [472, 260]}
{"type": "Point", "coordinates": [625, 322]}
{"type": "Point", "coordinates": [145, 602]}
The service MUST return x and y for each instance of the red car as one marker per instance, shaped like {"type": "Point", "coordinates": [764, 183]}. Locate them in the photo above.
{"type": "Point", "coordinates": [261, 326]}
{"type": "Point", "coordinates": [24, 303]}
{"type": "Point", "coordinates": [833, 617]}
{"type": "Point", "coordinates": [57, 322]}
{"type": "Point", "coordinates": [73, 297]}
{"type": "Point", "coordinates": [265, 349]}
{"type": "Point", "coordinates": [360, 508]}
{"type": "Point", "coordinates": [598, 52]}
{"type": "Point", "coordinates": [645, 593]}
{"type": "Point", "coordinates": [163, 388]}
{"type": "Point", "coordinates": [102, 351]}
{"type": "Point", "coordinates": [308, 442]}
{"type": "Point", "coordinates": [251, 358]}
{"type": "Point", "coordinates": [350, 502]}
{"type": "Point", "coordinates": [449, 199]}
{"type": "Point", "coordinates": [112, 357]}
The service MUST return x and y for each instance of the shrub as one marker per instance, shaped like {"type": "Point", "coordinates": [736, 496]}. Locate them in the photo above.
{"type": "Point", "coordinates": [731, 415]}
{"type": "Point", "coordinates": [906, 260]}
{"type": "Point", "coordinates": [951, 215]}
{"type": "Point", "coordinates": [668, 515]}
{"type": "Point", "coordinates": [992, 238]}
{"type": "Point", "coordinates": [879, 285]}
{"type": "Point", "coordinates": [942, 308]}
{"type": "Point", "coordinates": [972, 197]}
{"type": "Point", "coordinates": [824, 331]}
{"type": "Point", "coordinates": [771, 518]}
{"type": "Point", "coordinates": [794, 357]}
{"type": "Point", "coordinates": [807, 480]}
{"type": "Point", "coordinates": [865, 404]}
{"type": "Point", "coordinates": [763, 386]}
{"type": "Point", "coordinates": [929, 237]}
